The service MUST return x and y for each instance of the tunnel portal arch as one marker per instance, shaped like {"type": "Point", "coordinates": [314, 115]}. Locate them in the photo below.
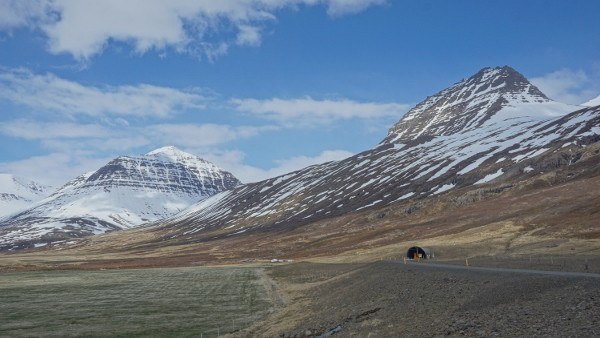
{"type": "Point", "coordinates": [417, 252]}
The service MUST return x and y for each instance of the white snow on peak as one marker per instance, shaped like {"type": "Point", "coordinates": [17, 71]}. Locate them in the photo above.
{"type": "Point", "coordinates": [167, 150]}
{"type": "Point", "coordinates": [18, 193]}
{"type": "Point", "coordinates": [489, 96]}
{"type": "Point", "coordinates": [592, 103]}
{"type": "Point", "coordinates": [175, 155]}
{"type": "Point", "coordinates": [170, 153]}
{"type": "Point", "coordinates": [126, 192]}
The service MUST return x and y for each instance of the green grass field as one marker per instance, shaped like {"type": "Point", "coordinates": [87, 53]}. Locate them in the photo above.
{"type": "Point", "coordinates": [144, 302]}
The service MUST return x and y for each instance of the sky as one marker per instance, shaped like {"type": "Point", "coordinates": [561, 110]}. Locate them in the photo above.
{"type": "Point", "coordinates": [259, 87]}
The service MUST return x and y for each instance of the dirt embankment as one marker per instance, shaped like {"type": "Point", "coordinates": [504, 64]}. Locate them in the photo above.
{"type": "Point", "coordinates": [386, 299]}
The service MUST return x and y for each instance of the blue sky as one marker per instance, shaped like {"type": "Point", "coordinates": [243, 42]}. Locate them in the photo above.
{"type": "Point", "coordinates": [260, 87]}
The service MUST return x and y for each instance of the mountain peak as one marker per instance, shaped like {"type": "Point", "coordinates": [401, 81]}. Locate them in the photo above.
{"type": "Point", "coordinates": [167, 157]}
{"type": "Point", "coordinates": [471, 102]}
{"type": "Point", "coordinates": [507, 78]}
{"type": "Point", "coordinates": [173, 154]}
{"type": "Point", "coordinates": [167, 150]}
{"type": "Point", "coordinates": [126, 192]}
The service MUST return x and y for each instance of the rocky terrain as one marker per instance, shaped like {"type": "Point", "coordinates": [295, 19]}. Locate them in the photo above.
{"type": "Point", "coordinates": [388, 298]}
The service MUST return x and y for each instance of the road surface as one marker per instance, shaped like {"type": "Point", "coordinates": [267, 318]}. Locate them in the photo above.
{"type": "Point", "coordinates": [425, 263]}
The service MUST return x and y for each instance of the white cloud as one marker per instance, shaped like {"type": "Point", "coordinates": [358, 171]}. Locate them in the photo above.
{"type": "Point", "coordinates": [298, 162]}
{"type": "Point", "coordinates": [201, 136]}
{"type": "Point", "coordinates": [567, 86]}
{"type": "Point", "coordinates": [344, 7]}
{"type": "Point", "coordinates": [248, 36]}
{"type": "Point", "coordinates": [71, 136]}
{"type": "Point", "coordinates": [78, 147]}
{"type": "Point", "coordinates": [20, 13]}
{"type": "Point", "coordinates": [54, 169]}
{"type": "Point", "coordinates": [34, 130]}
{"type": "Point", "coordinates": [234, 161]}
{"type": "Point", "coordinates": [83, 28]}
{"type": "Point", "coordinates": [117, 144]}
{"type": "Point", "coordinates": [51, 93]}
{"type": "Point", "coordinates": [308, 111]}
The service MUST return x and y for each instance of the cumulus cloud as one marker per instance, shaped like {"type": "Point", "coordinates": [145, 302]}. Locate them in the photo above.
{"type": "Point", "coordinates": [23, 13]}
{"type": "Point", "coordinates": [234, 161]}
{"type": "Point", "coordinates": [299, 162]}
{"type": "Point", "coordinates": [61, 135]}
{"type": "Point", "coordinates": [34, 130]}
{"type": "Point", "coordinates": [248, 36]}
{"type": "Point", "coordinates": [83, 28]}
{"type": "Point", "coordinates": [201, 135]}
{"type": "Point", "coordinates": [75, 148]}
{"type": "Point", "coordinates": [48, 92]}
{"type": "Point", "coordinates": [56, 168]}
{"type": "Point", "coordinates": [567, 86]}
{"type": "Point", "coordinates": [117, 143]}
{"type": "Point", "coordinates": [344, 7]}
{"type": "Point", "coordinates": [310, 111]}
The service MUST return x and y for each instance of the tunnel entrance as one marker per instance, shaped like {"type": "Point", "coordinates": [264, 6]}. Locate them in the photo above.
{"type": "Point", "coordinates": [417, 252]}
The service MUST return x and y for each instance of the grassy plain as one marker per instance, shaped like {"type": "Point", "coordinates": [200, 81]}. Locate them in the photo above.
{"type": "Point", "coordinates": [194, 301]}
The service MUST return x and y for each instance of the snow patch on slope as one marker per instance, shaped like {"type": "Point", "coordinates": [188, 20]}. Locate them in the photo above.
{"type": "Point", "coordinates": [490, 177]}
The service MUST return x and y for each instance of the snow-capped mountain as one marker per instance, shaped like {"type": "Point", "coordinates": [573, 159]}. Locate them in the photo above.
{"type": "Point", "coordinates": [126, 192]}
{"type": "Point", "coordinates": [17, 193]}
{"type": "Point", "coordinates": [493, 96]}
{"type": "Point", "coordinates": [593, 102]}
{"type": "Point", "coordinates": [493, 125]}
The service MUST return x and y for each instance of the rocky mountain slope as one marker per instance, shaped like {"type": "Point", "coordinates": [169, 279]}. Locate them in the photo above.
{"type": "Point", "coordinates": [126, 192]}
{"type": "Point", "coordinates": [17, 193]}
{"type": "Point", "coordinates": [492, 126]}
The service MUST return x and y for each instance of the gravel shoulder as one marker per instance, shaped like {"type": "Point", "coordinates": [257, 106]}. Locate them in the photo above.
{"type": "Point", "coordinates": [393, 299]}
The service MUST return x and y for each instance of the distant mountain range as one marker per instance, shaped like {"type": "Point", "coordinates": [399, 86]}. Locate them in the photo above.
{"type": "Point", "coordinates": [494, 126]}
{"type": "Point", "coordinates": [126, 192]}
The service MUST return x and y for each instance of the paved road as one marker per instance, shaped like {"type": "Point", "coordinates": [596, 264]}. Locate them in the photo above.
{"type": "Point", "coordinates": [478, 268]}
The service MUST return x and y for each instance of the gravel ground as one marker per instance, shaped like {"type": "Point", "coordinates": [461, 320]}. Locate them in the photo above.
{"type": "Point", "coordinates": [386, 299]}
{"type": "Point", "coordinates": [548, 263]}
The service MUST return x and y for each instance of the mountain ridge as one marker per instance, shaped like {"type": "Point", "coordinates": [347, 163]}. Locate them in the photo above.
{"type": "Point", "coordinates": [124, 193]}
{"type": "Point", "coordinates": [402, 169]}
{"type": "Point", "coordinates": [499, 135]}
{"type": "Point", "coordinates": [471, 102]}
{"type": "Point", "coordinates": [593, 102]}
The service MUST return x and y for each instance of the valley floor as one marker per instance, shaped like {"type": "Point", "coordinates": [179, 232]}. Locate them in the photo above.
{"type": "Point", "coordinates": [182, 302]}
{"type": "Point", "coordinates": [389, 298]}
{"type": "Point", "coordinates": [308, 299]}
